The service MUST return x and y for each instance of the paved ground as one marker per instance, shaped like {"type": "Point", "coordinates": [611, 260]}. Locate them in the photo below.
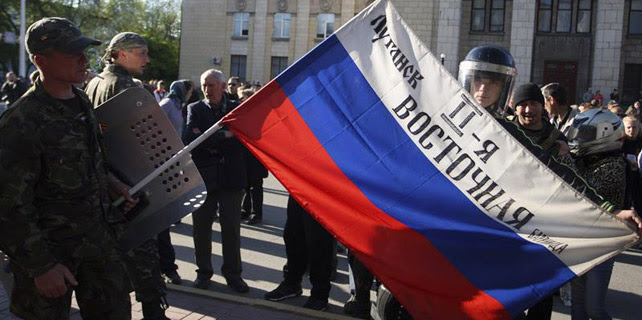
{"type": "Point", "coordinates": [263, 255]}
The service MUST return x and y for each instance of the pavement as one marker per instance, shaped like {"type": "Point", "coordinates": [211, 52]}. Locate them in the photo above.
{"type": "Point", "coordinates": [263, 254]}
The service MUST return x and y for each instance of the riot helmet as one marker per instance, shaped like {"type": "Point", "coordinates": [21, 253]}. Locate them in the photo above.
{"type": "Point", "coordinates": [595, 131]}
{"type": "Point", "coordinates": [488, 73]}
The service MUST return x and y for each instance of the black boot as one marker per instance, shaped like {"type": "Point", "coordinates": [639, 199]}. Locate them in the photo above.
{"type": "Point", "coordinates": [154, 310]}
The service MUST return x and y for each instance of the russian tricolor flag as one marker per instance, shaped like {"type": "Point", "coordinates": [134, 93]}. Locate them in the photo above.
{"type": "Point", "coordinates": [382, 146]}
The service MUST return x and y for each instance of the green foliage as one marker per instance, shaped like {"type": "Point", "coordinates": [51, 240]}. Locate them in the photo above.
{"type": "Point", "coordinates": [156, 20]}
{"type": "Point", "coordinates": [163, 66]}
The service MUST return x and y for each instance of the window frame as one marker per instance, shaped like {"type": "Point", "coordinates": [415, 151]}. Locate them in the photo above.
{"type": "Point", "coordinates": [577, 17]}
{"type": "Point", "coordinates": [490, 16]}
{"type": "Point", "coordinates": [630, 14]}
{"type": "Point", "coordinates": [574, 21]}
{"type": "Point", "coordinates": [282, 22]}
{"type": "Point", "coordinates": [241, 15]}
{"type": "Point", "coordinates": [487, 13]}
{"type": "Point", "coordinates": [557, 17]}
{"type": "Point", "coordinates": [279, 61]}
{"type": "Point", "coordinates": [472, 16]}
{"type": "Point", "coordinates": [242, 61]}
{"type": "Point", "coordinates": [325, 29]}
{"type": "Point", "coordinates": [550, 18]}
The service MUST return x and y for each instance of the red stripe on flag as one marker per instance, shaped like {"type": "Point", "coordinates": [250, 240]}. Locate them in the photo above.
{"type": "Point", "coordinates": [425, 282]}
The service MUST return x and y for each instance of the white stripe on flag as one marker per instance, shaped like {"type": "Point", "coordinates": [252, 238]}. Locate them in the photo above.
{"type": "Point", "coordinates": [574, 228]}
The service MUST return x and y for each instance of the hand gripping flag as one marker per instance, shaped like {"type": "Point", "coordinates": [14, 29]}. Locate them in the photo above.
{"type": "Point", "coordinates": [445, 206]}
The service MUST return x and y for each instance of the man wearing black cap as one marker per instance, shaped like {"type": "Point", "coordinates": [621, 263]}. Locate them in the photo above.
{"type": "Point", "coordinates": [126, 56]}
{"type": "Point", "coordinates": [54, 193]}
{"type": "Point", "coordinates": [528, 103]}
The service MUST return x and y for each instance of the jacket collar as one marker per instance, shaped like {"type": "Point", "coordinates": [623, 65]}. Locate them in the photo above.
{"type": "Point", "coordinates": [222, 105]}
{"type": "Point", "coordinates": [117, 69]}
{"type": "Point", "coordinates": [54, 104]}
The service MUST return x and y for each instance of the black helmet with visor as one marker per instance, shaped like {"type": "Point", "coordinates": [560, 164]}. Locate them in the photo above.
{"type": "Point", "coordinates": [488, 73]}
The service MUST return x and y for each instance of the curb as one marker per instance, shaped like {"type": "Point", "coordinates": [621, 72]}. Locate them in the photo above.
{"type": "Point", "coordinates": [258, 303]}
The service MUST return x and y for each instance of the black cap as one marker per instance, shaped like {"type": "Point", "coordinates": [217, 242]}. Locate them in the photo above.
{"type": "Point", "coordinates": [56, 33]}
{"type": "Point", "coordinates": [528, 92]}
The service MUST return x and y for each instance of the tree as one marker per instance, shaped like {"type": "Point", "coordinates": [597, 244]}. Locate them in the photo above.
{"type": "Point", "coordinates": [156, 20]}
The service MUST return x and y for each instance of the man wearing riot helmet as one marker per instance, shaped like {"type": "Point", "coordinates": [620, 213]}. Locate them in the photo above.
{"type": "Point", "coordinates": [488, 73]}
{"type": "Point", "coordinates": [595, 138]}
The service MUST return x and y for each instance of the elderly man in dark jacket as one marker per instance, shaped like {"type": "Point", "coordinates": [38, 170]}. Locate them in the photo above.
{"type": "Point", "coordinates": [221, 162]}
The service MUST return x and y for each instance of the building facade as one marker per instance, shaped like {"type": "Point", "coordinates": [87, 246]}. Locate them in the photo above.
{"type": "Point", "coordinates": [580, 43]}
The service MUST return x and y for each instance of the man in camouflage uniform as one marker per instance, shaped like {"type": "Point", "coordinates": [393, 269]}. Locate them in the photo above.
{"type": "Point", "coordinates": [126, 56]}
{"type": "Point", "coordinates": [54, 193]}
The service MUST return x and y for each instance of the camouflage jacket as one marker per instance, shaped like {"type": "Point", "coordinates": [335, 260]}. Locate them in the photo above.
{"type": "Point", "coordinates": [54, 183]}
{"type": "Point", "coordinates": [109, 83]}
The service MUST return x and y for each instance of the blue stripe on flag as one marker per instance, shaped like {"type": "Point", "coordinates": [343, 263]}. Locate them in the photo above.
{"type": "Point", "coordinates": [372, 150]}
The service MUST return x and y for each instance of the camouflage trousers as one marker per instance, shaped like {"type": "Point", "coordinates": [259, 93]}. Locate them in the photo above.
{"type": "Point", "coordinates": [5, 277]}
{"type": "Point", "coordinates": [102, 291]}
{"type": "Point", "coordinates": [143, 268]}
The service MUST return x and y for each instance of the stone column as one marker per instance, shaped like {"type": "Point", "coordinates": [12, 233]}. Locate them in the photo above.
{"type": "Point", "coordinates": [301, 29]}
{"type": "Point", "coordinates": [448, 34]}
{"type": "Point", "coordinates": [347, 11]}
{"type": "Point", "coordinates": [420, 16]}
{"type": "Point", "coordinates": [204, 36]}
{"type": "Point", "coordinates": [607, 46]}
{"type": "Point", "coordinates": [522, 37]}
{"type": "Point", "coordinates": [258, 41]}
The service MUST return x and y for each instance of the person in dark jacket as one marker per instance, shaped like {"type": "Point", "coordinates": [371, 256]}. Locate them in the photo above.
{"type": "Point", "coordinates": [12, 89]}
{"type": "Point", "coordinates": [529, 108]}
{"type": "Point", "coordinates": [252, 210]}
{"type": "Point", "coordinates": [221, 161]}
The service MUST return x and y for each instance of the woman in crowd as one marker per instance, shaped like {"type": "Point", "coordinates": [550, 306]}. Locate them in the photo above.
{"type": "Point", "coordinates": [180, 92]}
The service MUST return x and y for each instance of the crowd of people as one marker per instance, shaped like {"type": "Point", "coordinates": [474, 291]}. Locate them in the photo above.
{"type": "Point", "coordinates": [61, 236]}
{"type": "Point", "coordinates": [599, 145]}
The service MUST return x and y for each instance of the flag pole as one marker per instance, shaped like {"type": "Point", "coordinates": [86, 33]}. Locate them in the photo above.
{"type": "Point", "coordinates": [22, 64]}
{"type": "Point", "coordinates": [178, 156]}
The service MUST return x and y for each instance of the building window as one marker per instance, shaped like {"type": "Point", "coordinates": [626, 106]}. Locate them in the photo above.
{"type": "Point", "coordinates": [238, 67]}
{"type": "Point", "coordinates": [325, 25]}
{"type": "Point", "coordinates": [495, 14]}
{"type": "Point", "coordinates": [544, 15]}
{"type": "Point", "coordinates": [282, 25]}
{"type": "Point", "coordinates": [584, 17]}
{"type": "Point", "coordinates": [635, 17]}
{"type": "Point", "coordinates": [279, 64]}
{"type": "Point", "coordinates": [564, 12]}
{"type": "Point", "coordinates": [557, 16]}
{"type": "Point", "coordinates": [478, 15]}
{"type": "Point", "coordinates": [241, 24]}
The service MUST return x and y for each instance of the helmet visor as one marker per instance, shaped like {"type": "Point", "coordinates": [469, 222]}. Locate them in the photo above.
{"type": "Point", "coordinates": [490, 89]}
{"type": "Point", "coordinates": [582, 134]}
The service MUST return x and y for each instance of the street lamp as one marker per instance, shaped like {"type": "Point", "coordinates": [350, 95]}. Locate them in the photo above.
{"type": "Point", "coordinates": [443, 58]}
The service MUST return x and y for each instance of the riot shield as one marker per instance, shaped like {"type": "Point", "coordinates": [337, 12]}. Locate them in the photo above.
{"type": "Point", "coordinates": [139, 138]}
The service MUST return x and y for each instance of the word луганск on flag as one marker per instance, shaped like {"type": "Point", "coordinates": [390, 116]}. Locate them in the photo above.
{"type": "Point", "coordinates": [384, 148]}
